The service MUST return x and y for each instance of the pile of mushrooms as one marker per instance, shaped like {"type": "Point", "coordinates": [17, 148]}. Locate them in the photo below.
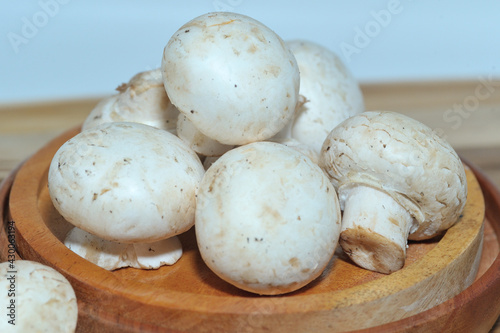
{"type": "Point", "coordinates": [265, 147]}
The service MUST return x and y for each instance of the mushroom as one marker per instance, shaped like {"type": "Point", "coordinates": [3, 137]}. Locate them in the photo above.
{"type": "Point", "coordinates": [285, 137]}
{"type": "Point", "coordinates": [143, 100]}
{"type": "Point", "coordinates": [267, 218]}
{"type": "Point", "coordinates": [233, 77]}
{"type": "Point", "coordinates": [299, 146]}
{"type": "Point", "coordinates": [332, 94]}
{"type": "Point", "coordinates": [113, 255]}
{"type": "Point", "coordinates": [396, 180]}
{"type": "Point", "coordinates": [36, 298]}
{"type": "Point", "coordinates": [101, 113]}
{"type": "Point", "coordinates": [198, 141]}
{"type": "Point", "coordinates": [126, 182]}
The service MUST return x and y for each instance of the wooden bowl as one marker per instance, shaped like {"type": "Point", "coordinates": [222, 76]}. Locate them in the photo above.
{"type": "Point", "coordinates": [435, 291]}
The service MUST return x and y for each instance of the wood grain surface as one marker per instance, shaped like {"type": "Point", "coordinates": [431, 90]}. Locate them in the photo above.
{"type": "Point", "coordinates": [466, 113]}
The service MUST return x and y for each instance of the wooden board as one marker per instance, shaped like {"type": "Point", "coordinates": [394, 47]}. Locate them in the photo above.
{"type": "Point", "coordinates": [188, 297]}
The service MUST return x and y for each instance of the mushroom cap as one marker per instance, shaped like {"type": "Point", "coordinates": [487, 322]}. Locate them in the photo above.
{"type": "Point", "coordinates": [142, 100]}
{"type": "Point", "coordinates": [126, 182]}
{"type": "Point", "coordinates": [101, 113]}
{"type": "Point", "coordinates": [267, 218]}
{"type": "Point", "coordinates": [44, 299]}
{"type": "Point", "coordinates": [198, 141]}
{"type": "Point", "coordinates": [404, 158]}
{"type": "Point", "coordinates": [232, 76]}
{"type": "Point", "coordinates": [113, 255]}
{"type": "Point", "coordinates": [331, 91]}
{"type": "Point", "coordinates": [298, 146]}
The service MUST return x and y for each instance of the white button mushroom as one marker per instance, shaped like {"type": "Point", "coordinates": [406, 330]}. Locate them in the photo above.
{"type": "Point", "coordinates": [331, 91]}
{"type": "Point", "coordinates": [198, 141]}
{"type": "Point", "coordinates": [285, 137]}
{"type": "Point", "coordinates": [395, 177]}
{"type": "Point", "coordinates": [267, 218]}
{"type": "Point", "coordinates": [142, 100]}
{"type": "Point", "coordinates": [36, 298]}
{"type": "Point", "coordinates": [113, 255]}
{"type": "Point", "coordinates": [300, 147]}
{"type": "Point", "coordinates": [233, 77]}
{"type": "Point", "coordinates": [126, 182]}
{"type": "Point", "coordinates": [101, 113]}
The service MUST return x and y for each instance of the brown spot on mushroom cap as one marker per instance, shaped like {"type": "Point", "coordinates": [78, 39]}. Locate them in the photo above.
{"type": "Point", "coordinates": [221, 24]}
{"type": "Point", "coordinates": [295, 262]}
{"type": "Point", "coordinates": [104, 190]}
{"type": "Point", "coordinates": [273, 213]}
{"type": "Point", "coordinates": [252, 48]}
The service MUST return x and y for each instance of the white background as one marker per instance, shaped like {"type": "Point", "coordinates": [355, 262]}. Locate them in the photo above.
{"type": "Point", "coordinates": [58, 49]}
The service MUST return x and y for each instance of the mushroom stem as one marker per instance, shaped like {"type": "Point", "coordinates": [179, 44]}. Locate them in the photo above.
{"type": "Point", "coordinates": [375, 229]}
{"type": "Point", "coordinates": [113, 255]}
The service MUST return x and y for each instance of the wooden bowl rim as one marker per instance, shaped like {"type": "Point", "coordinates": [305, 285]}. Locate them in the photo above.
{"type": "Point", "coordinates": [489, 281]}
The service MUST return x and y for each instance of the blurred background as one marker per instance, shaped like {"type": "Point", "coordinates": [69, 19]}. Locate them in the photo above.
{"type": "Point", "coordinates": [59, 49]}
